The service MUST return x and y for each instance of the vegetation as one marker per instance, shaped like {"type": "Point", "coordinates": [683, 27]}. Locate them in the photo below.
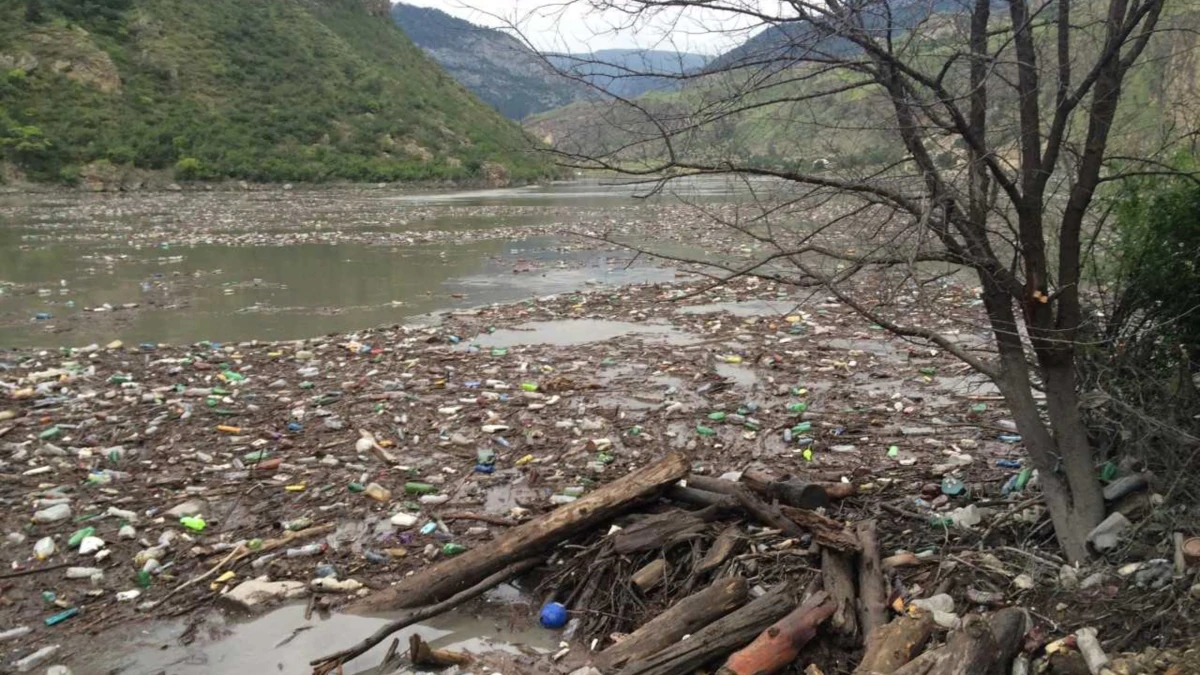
{"type": "Point", "coordinates": [273, 90]}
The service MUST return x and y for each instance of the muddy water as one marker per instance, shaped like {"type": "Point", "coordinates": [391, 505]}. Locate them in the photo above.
{"type": "Point", "coordinates": [283, 641]}
{"type": "Point", "coordinates": [282, 265]}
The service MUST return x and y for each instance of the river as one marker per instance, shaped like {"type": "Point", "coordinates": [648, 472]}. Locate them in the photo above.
{"type": "Point", "coordinates": [269, 264]}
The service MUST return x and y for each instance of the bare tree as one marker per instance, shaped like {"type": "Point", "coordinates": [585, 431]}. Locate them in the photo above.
{"type": "Point", "coordinates": [987, 127]}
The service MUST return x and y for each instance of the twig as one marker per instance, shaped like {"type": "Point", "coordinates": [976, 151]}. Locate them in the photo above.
{"type": "Point", "coordinates": [25, 573]}
{"type": "Point", "coordinates": [1048, 561]}
{"type": "Point", "coordinates": [1006, 515]}
{"type": "Point", "coordinates": [325, 664]}
{"type": "Point", "coordinates": [481, 517]}
{"type": "Point", "coordinates": [202, 577]}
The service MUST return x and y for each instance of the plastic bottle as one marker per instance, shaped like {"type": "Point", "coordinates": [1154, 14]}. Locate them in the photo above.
{"type": "Point", "coordinates": [415, 488]}
{"type": "Point", "coordinates": [193, 523]}
{"type": "Point", "coordinates": [453, 549]}
{"type": "Point", "coordinates": [305, 551]}
{"type": "Point", "coordinates": [13, 633]}
{"type": "Point", "coordinates": [378, 492]}
{"type": "Point", "coordinates": [44, 548]}
{"type": "Point", "coordinates": [83, 572]}
{"type": "Point", "coordinates": [53, 514]}
{"type": "Point", "coordinates": [297, 524]}
{"type": "Point", "coordinates": [705, 431]}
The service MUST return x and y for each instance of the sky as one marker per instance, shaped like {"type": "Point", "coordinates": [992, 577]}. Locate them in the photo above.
{"type": "Point", "coordinates": [570, 25]}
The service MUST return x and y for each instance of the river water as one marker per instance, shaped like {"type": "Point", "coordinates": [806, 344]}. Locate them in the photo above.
{"type": "Point", "coordinates": [77, 268]}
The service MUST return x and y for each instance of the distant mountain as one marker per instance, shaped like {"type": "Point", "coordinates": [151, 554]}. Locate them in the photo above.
{"type": "Point", "coordinates": [494, 65]}
{"type": "Point", "coordinates": [262, 90]}
{"type": "Point", "coordinates": [513, 79]}
{"type": "Point", "coordinates": [629, 73]}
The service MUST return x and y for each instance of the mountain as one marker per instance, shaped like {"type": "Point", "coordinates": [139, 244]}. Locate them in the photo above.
{"type": "Point", "coordinates": [629, 73]}
{"type": "Point", "coordinates": [494, 65]}
{"type": "Point", "coordinates": [269, 90]}
{"type": "Point", "coordinates": [518, 82]}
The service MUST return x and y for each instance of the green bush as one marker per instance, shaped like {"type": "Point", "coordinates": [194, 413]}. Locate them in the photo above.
{"type": "Point", "coordinates": [189, 168]}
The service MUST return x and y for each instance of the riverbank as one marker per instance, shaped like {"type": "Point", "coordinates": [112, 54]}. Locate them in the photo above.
{"type": "Point", "coordinates": [376, 453]}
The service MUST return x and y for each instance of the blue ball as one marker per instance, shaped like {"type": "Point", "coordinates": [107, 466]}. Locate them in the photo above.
{"type": "Point", "coordinates": [554, 615]}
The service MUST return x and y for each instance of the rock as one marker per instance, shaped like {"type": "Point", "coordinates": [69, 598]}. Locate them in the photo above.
{"type": "Point", "coordinates": [1107, 534]}
{"type": "Point", "coordinates": [115, 344]}
{"type": "Point", "coordinates": [254, 594]}
{"type": "Point", "coordinates": [192, 507]}
{"type": "Point", "coordinates": [1068, 578]}
{"type": "Point", "coordinates": [1194, 591]}
{"type": "Point", "coordinates": [1024, 582]}
{"type": "Point", "coordinates": [1092, 581]}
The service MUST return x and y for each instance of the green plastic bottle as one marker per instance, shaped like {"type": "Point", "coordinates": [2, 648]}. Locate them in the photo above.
{"type": "Point", "coordinates": [453, 549]}
{"type": "Point", "coordinates": [417, 488]}
{"type": "Point", "coordinates": [705, 431]}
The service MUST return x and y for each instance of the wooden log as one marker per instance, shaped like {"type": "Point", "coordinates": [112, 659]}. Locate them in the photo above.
{"type": "Point", "coordinates": [726, 544]}
{"type": "Point", "coordinates": [651, 575]}
{"type": "Point", "coordinates": [837, 572]}
{"type": "Point", "coordinates": [872, 588]}
{"type": "Point", "coordinates": [900, 560]}
{"type": "Point", "coordinates": [720, 637]}
{"type": "Point", "coordinates": [895, 644]}
{"type": "Point", "coordinates": [839, 490]}
{"type": "Point", "coordinates": [779, 645]}
{"type": "Point", "coordinates": [683, 618]}
{"type": "Point", "coordinates": [698, 497]}
{"type": "Point", "coordinates": [825, 531]}
{"type": "Point", "coordinates": [662, 529]}
{"type": "Point", "coordinates": [978, 647]}
{"type": "Point", "coordinates": [793, 492]}
{"type": "Point", "coordinates": [442, 580]}
{"type": "Point", "coordinates": [710, 484]}
{"type": "Point", "coordinates": [421, 654]}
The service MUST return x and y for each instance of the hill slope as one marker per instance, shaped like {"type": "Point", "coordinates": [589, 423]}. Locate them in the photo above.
{"type": "Point", "coordinates": [493, 64]}
{"type": "Point", "coordinates": [270, 90]}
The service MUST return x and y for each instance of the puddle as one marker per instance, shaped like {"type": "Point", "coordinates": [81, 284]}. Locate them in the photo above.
{"type": "Point", "coordinates": [744, 308]}
{"type": "Point", "coordinates": [740, 375]}
{"type": "Point", "coordinates": [262, 644]}
{"type": "Point", "coordinates": [569, 332]}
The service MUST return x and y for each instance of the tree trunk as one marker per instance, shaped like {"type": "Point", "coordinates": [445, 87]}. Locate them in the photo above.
{"type": "Point", "coordinates": [453, 574]}
{"type": "Point", "coordinates": [684, 618]}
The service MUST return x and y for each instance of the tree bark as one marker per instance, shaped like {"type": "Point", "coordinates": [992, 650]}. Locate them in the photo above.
{"type": "Point", "coordinates": [895, 644]}
{"type": "Point", "coordinates": [717, 638]}
{"type": "Point", "coordinates": [792, 492]}
{"type": "Point", "coordinates": [780, 644]}
{"type": "Point", "coordinates": [838, 575]}
{"type": "Point", "coordinates": [872, 587]}
{"type": "Point", "coordinates": [453, 574]}
{"type": "Point", "coordinates": [979, 647]}
{"type": "Point", "coordinates": [662, 529]}
{"type": "Point", "coordinates": [825, 531]}
{"type": "Point", "coordinates": [726, 544]}
{"type": "Point", "coordinates": [683, 618]}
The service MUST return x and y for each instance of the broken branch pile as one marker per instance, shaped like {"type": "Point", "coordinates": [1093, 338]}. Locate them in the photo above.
{"type": "Point", "coordinates": [752, 581]}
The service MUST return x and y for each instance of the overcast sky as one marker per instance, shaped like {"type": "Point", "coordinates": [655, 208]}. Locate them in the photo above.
{"type": "Point", "coordinates": [565, 25]}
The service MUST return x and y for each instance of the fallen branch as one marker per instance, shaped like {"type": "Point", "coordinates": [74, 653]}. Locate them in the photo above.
{"type": "Point", "coordinates": [421, 654]}
{"type": "Point", "coordinates": [719, 637]}
{"type": "Point", "coordinates": [872, 587]}
{"type": "Point", "coordinates": [780, 644]}
{"type": "Point", "coordinates": [826, 531]}
{"type": "Point", "coordinates": [683, 618]}
{"type": "Point", "coordinates": [326, 664]}
{"type": "Point", "coordinates": [895, 644]}
{"type": "Point", "coordinates": [837, 575]}
{"type": "Point", "coordinates": [446, 578]}
{"type": "Point", "coordinates": [481, 517]}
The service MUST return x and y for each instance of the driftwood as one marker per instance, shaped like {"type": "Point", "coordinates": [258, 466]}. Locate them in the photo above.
{"type": "Point", "coordinates": [825, 531]}
{"type": "Point", "coordinates": [698, 497]}
{"type": "Point", "coordinates": [837, 573]}
{"type": "Point", "coordinates": [872, 590]}
{"type": "Point", "coordinates": [717, 638]}
{"type": "Point", "coordinates": [900, 560]}
{"type": "Point", "coordinates": [726, 544]}
{"type": "Point", "coordinates": [662, 529]}
{"type": "Point", "coordinates": [895, 644]}
{"type": "Point", "coordinates": [650, 576]}
{"type": "Point", "coordinates": [780, 644]}
{"type": "Point", "coordinates": [979, 647]}
{"type": "Point", "coordinates": [452, 575]}
{"type": "Point", "coordinates": [326, 664]}
{"type": "Point", "coordinates": [684, 618]}
{"type": "Point", "coordinates": [792, 492]}
{"type": "Point", "coordinates": [421, 654]}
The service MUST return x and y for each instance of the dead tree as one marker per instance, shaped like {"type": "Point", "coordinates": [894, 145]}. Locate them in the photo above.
{"type": "Point", "coordinates": [991, 126]}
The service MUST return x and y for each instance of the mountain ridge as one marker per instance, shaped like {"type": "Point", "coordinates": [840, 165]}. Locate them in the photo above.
{"type": "Point", "coordinates": [269, 91]}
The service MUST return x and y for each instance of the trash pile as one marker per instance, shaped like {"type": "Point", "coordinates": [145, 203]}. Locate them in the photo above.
{"type": "Point", "coordinates": [704, 467]}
